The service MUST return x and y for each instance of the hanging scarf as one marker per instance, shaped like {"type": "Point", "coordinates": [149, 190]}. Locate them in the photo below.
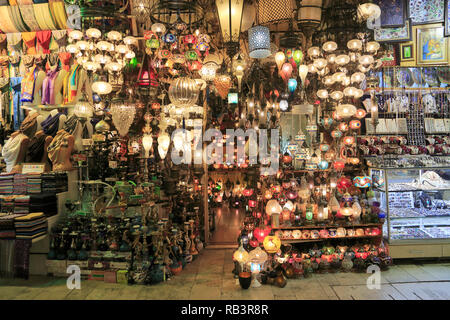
{"type": "Point", "coordinates": [29, 125]}
{"type": "Point", "coordinates": [18, 112]}
{"type": "Point", "coordinates": [71, 84]}
{"type": "Point", "coordinates": [43, 40]}
{"type": "Point", "coordinates": [60, 140]}
{"type": "Point", "coordinates": [15, 42]}
{"type": "Point", "coordinates": [60, 39]}
{"type": "Point", "coordinates": [3, 45]}
{"type": "Point", "coordinates": [35, 150]}
{"type": "Point", "coordinates": [71, 124]}
{"type": "Point", "coordinates": [29, 38]}
{"type": "Point", "coordinates": [64, 57]}
{"type": "Point", "coordinates": [11, 150]}
{"type": "Point", "coordinates": [4, 67]}
{"type": "Point", "coordinates": [51, 124]}
{"type": "Point", "coordinates": [28, 85]}
{"type": "Point", "coordinates": [48, 94]}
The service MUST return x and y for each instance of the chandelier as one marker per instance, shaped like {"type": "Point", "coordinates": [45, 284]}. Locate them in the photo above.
{"type": "Point", "coordinates": [105, 55]}
{"type": "Point", "coordinates": [141, 9]}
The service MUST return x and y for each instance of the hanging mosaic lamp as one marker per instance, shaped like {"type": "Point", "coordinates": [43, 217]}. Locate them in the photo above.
{"type": "Point", "coordinates": [259, 42]}
{"type": "Point", "coordinates": [223, 84]}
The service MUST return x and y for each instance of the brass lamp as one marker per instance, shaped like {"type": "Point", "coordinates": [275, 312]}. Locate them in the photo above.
{"type": "Point", "coordinates": [230, 16]}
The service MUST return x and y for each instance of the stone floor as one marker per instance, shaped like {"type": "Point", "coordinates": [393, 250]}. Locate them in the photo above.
{"type": "Point", "coordinates": [209, 277]}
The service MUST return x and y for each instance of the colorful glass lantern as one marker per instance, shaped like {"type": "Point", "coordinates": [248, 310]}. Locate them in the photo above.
{"type": "Point", "coordinates": [323, 165]}
{"type": "Point", "coordinates": [349, 140]}
{"type": "Point", "coordinates": [324, 147]}
{"type": "Point", "coordinates": [273, 207]}
{"type": "Point", "coordinates": [268, 195]}
{"type": "Point", "coordinates": [339, 165]}
{"type": "Point", "coordinates": [343, 126]}
{"type": "Point", "coordinates": [252, 203]}
{"type": "Point", "coordinates": [286, 71]}
{"type": "Point", "coordinates": [362, 181]}
{"type": "Point", "coordinates": [240, 255]}
{"type": "Point", "coordinates": [336, 134]}
{"type": "Point", "coordinates": [297, 55]}
{"type": "Point", "coordinates": [292, 85]}
{"type": "Point", "coordinates": [355, 124]}
{"type": "Point", "coordinates": [360, 113]}
{"type": "Point", "coordinates": [272, 244]}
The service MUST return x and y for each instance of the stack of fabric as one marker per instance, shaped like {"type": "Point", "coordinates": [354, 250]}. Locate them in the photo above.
{"type": "Point", "coordinates": [31, 226]}
{"type": "Point", "coordinates": [48, 183]}
{"type": "Point", "coordinates": [21, 204]}
{"type": "Point", "coordinates": [34, 183]}
{"type": "Point", "coordinates": [7, 204]}
{"type": "Point", "coordinates": [7, 226]}
{"type": "Point", "coordinates": [20, 183]}
{"type": "Point", "coordinates": [46, 203]}
{"type": "Point", "coordinates": [6, 183]}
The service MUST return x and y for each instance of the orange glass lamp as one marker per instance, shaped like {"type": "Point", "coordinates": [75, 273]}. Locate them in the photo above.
{"type": "Point", "coordinates": [272, 244]}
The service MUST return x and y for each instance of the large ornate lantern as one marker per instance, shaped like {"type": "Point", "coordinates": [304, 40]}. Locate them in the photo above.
{"type": "Point", "coordinates": [230, 16]}
{"type": "Point", "coordinates": [183, 92]}
{"type": "Point", "coordinates": [259, 42]}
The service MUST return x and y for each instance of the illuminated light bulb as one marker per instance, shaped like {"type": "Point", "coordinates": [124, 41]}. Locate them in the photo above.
{"type": "Point", "coordinates": [313, 52]}
{"type": "Point", "coordinates": [358, 77]}
{"type": "Point", "coordinates": [284, 105]}
{"type": "Point", "coordinates": [158, 28]}
{"type": "Point", "coordinates": [328, 80]}
{"type": "Point", "coordinates": [114, 36]}
{"type": "Point", "coordinates": [350, 91]}
{"type": "Point", "coordinates": [338, 76]}
{"type": "Point", "coordinates": [122, 49]}
{"type": "Point", "coordinates": [129, 40]}
{"type": "Point", "coordinates": [329, 46]}
{"type": "Point", "coordinates": [273, 207]}
{"type": "Point", "coordinates": [303, 72]}
{"type": "Point", "coordinates": [354, 45]}
{"type": "Point", "coordinates": [91, 66]}
{"type": "Point", "coordinates": [101, 87]}
{"type": "Point", "coordinates": [99, 58]}
{"type": "Point", "coordinates": [130, 55]}
{"type": "Point", "coordinates": [103, 45]}
{"type": "Point", "coordinates": [147, 142]}
{"type": "Point", "coordinates": [75, 34]}
{"type": "Point", "coordinates": [366, 60]}
{"type": "Point", "coordinates": [322, 94]}
{"type": "Point", "coordinates": [343, 127]}
{"type": "Point", "coordinates": [342, 59]}
{"type": "Point", "coordinates": [311, 68]}
{"type": "Point", "coordinates": [336, 95]}
{"type": "Point", "coordinates": [359, 93]}
{"type": "Point", "coordinates": [360, 113]}
{"type": "Point", "coordinates": [320, 63]}
{"type": "Point", "coordinates": [331, 58]}
{"type": "Point", "coordinates": [363, 69]}
{"type": "Point", "coordinates": [82, 45]}
{"type": "Point", "coordinates": [372, 46]}
{"type": "Point", "coordinates": [349, 140]}
{"type": "Point", "coordinates": [346, 81]}
{"type": "Point", "coordinates": [345, 110]}
{"type": "Point", "coordinates": [114, 66]}
{"type": "Point", "coordinates": [93, 33]}
{"type": "Point", "coordinates": [73, 49]}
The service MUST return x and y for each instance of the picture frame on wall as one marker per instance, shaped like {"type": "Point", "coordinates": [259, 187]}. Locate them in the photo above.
{"type": "Point", "coordinates": [394, 13]}
{"type": "Point", "coordinates": [401, 34]}
{"type": "Point", "coordinates": [446, 22]}
{"type": "Point", "coordinates": [407, 52]}
{"type": "Point", "coordinates": [432, 46]}
{"type": "Point", "coordinates": [425, 11]}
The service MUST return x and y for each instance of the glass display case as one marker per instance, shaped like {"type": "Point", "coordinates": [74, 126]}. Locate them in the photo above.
{"type": "Point", "coordinates": [416, 202]}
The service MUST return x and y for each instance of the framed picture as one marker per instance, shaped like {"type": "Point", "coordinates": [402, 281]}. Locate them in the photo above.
{"type": "Point", "coordinates": [426, 11]}
{"type": "Point", "coordinates": [401, 34]}
{"type": "Point", "coordinates": [407, 52]}
{"type": "Point", "coordinates": [389, 58]}
{"type": "Point", "coordinates": [446, 22]}
{"type": "Point", "coordinates": [431, 45]}
{"type": "Point", "coordinates": [394, 13]}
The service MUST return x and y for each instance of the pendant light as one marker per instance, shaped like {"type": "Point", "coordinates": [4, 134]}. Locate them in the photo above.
{"type": "Point", "coordinates": [230, 16]}
{"type": "Point", "coordinates": [259, 42]}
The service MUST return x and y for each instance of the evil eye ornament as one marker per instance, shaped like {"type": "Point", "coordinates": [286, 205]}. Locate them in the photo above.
{"type": "Point", "coordinates": [326, 122]}
{"type": "Point", "coordinates": [336, 134]}
{"type": "Point", "coordinates": [362, 181]}
{"type": "Point", "coordinates": [324, 147]}
{"type": "Point", "coordinates": [355, 124]}
{"type": "Point", "coordinates": [300, 137]}
{"type": "Point", "coordinates": [323, 165]}
{"type": "Point", "coordinates": [169, 38]}
{"type": "Point", "coordinates": [191, 55]}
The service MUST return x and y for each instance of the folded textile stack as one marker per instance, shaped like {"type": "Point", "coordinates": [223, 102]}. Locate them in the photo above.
{"type": "Point", "coordinates": [20, 183]}
{"type": "Point", "coordinates": [7, 226]}
{"type": "Point", "coordinates": [7, 203]}
{"type": "Point", "coordinates": [34, 183]}
{"type": "Point", "coordinates": [31, 226]}
{"type": "Point", "coordinates": [21, 204]}
{"type": "Point", "coordinates": [54, 182]}
{"type": "Point", "coordinates": [44, 203]}
{"type": "Point", "coordinates": [6, 183]}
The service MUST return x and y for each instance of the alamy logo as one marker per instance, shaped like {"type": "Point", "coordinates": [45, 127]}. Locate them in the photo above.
{"type": "Point", "coordinates": [188, 147]}
{"type": "Point", "coordinates": [374, 280]}
{"type": "Point", "coordinates": [74, 280]}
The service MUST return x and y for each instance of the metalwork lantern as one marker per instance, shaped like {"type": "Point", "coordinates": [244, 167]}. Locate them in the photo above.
{"type": "Point", "coordinates": [183, 92]}
{"type": "Point", "coordinates": [259, 42]}
{"type": "Point", "coordinates": [230, 16]}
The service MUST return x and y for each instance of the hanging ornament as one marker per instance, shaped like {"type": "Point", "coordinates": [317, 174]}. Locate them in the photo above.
{"type": "Point", "coordinates": [123, 116]}
{"type": "Point", "coordinates": [223, 84]}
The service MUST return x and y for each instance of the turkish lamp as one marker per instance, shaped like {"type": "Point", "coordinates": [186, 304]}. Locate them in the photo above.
{"type": "Point", "coordinates": [313, 52]}
{"type": "Point", "coordinates": [329, 46]}
{"type": "Point", "coordinates": [336, 95]}
{"type": "Point", "coordinates": [303, 72]}
{"type": "Point", "coordinates": [147, 142]}
{"type": "Point", "coordinates": [286, 71]}
{"type": "Point", "coordinates": [91, 66]}
{"type": "Point", "coordinates": [321, 63]}
{"type": "Point", "coordinates": [328, 81]}
{"type": "Point", "coordinates": [130, 55]}
{"type": "Point", "coordinates": [342, 60]}
{"type": "Point", "coordinates": [83, 109]}
{"type": "Point", "coordinates": [158, 28]}
{"type": "Point", "coordinates": [354, 45]}
{"type": "Point", "coordinates": [114, 36]}
{"type": "Point", "coordinates": [368, 10]}
{"type": "Point", "coordinates": [129, 40]}
{"type": "Point", "coordinates": [122, 49]}
{"type": "Point", "coordinates": [82, 45]}
{"type": "Point", "coordinates": [259, 42]}
{"type": "Point", "coordinates": [346, 81]}
{"type": "Point", "coordinates": [103, 45]}
{"type": "Point", "coordinates": [280, 58]}
{"type": "Point", "coordinates": [113, 67]}
{"type": "Point", "coordinates": [322, 94]}
{"type": "Point", "coordinates": [101, 87]}
{"type": "Point", "coordinates": [241, 255]}
{"type": "Point", "coordinates": [75, 35]}
{"type": "Point", "coordinates": [284, 105]}
{"type": "Point", "coordinates": [311, 68]}
{"type": "Point", "coordinates": [72, 48]}
{"type": "Point", "coordinates": [357, 77]}
{"type": "Point", "coordinates": [366, 60]}
{"type": "Point", "coordinates": [292, 85]}
{"type": "Point", "coordinates": [331, 58]}
{"type": "Point", "coordinates": [273, 207]}
{"type": "Point", "coordinates": [297, 56]}
{"type": "Point", "coordinates": [93, 33]}
{"type": "Point", "coordinates": [350, 91]}
{"type": "Point", "coordinates": [338, 77]}
{"type": "Point", "coordinates": [345, 110]}
{"type": "Point", "coordinates": [359, 93]}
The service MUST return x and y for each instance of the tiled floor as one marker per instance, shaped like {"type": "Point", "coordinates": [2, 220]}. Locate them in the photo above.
{"type": "Point", "coordinates": [228, 225]}
{"type": "Point", "coordinates": [209, 277]}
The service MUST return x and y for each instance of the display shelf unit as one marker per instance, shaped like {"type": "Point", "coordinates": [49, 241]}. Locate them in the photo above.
{"type": "Point", "coordinates": [416, 216]}
{"type": "Point", "coordinates": [329, 238]}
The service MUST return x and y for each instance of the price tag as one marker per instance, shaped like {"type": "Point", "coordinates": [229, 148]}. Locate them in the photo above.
{"type": "Point", "coordinates": [113, 164]}
{"type": "Point", "coordinates": [33, 168]}
{"type": "Point", "coordinates": [88, 142]}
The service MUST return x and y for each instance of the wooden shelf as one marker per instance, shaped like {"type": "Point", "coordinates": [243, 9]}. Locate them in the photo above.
{"type": "Point", "coordinates": [324, 239]}
{"type": "Point", "coordinates": [329, 226]}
